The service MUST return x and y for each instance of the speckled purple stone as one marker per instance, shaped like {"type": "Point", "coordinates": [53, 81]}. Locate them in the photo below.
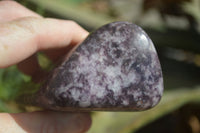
{"type": "Point", "coordinates": [115, 69]}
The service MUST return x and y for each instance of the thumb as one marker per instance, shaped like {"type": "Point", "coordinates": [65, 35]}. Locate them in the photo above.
{"type": "Point", "coordinates": [45, 122]}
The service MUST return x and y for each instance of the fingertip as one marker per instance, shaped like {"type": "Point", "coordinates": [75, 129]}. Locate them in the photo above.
{"type": "Point", "coordinates": [86, 121]}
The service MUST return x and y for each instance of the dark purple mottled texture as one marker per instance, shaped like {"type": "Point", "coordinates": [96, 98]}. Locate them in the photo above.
{"type": "Point", "coordinates": [115, 69]}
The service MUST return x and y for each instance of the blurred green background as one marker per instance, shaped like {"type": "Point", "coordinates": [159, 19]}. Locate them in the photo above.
{"type": "Point", "coordinates": [174, 27]}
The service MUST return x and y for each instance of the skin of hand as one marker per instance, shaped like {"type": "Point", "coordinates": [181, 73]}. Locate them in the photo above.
{"type": "Point", "coordinates": [22, 34]}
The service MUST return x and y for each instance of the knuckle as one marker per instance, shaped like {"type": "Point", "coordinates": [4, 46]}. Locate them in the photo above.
{"type": "Point", "coordinates": [28, 24]}
{"type": "Point", "coordinates": [73, 23]}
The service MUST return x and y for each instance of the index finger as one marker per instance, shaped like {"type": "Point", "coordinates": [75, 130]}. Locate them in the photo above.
{"type": "Point", "coordinates": [21, 38]}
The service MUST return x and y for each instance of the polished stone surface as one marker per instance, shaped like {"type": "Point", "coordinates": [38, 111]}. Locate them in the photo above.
{"type": "Point", "coordinates": [115, 69]}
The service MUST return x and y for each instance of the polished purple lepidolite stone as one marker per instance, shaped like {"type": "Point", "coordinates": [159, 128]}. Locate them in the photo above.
{"type": "Point", "coordinates": [116, 68]}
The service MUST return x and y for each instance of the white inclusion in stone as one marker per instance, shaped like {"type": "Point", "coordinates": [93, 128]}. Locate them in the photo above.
{"type": "Point", "coordinates": [146, 104]}
{"type": "Point", "coordinates": [157, 90]}
{"type": "Point", "coordinates": [129, 79]}
{"type": "Point", "coordinates": [95, 57]}
{"type": "Point", "coordinates": [76, 94]}
{"type": "Point", "coordinates": [112, 71]}
{"type": "Point", "coordinates": [137, 94]}
{"type": "Point", "coordinates": [148, 73]}
{"type": "Point", "coordinates": [159, 86]}
{"type": "Point", "coordinates": [155, 101]}
{"type": "Point", "coordinates": [101, 92]}
{"type": "Point", "coordinates": [112, 79]}
{"type": "Point", "coordinates": [84, 103]}
{"type": "Point", "coordinates": [125, 102]}
{"type": "Point", "coordinates": [144, 56]}
{"type": "Point", "coordinates": [60, 90]}
{"type": "Point", "coordinates": [153, 63]}
{"type": "Point", "coordinates": [96, 89]}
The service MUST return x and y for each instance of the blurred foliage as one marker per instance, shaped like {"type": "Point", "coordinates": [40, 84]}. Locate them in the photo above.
{"type": "Point", "coordinates": [173, 25]}
{"type": "Point", "coordinates": [14, 84]}
{"type": "Point", "coordinates": [11, 81]}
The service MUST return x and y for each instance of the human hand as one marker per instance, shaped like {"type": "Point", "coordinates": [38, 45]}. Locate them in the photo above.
{"type": "Point", "coordinates": [22, 34]}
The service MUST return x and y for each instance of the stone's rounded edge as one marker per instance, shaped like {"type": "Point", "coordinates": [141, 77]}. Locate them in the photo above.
{"type": "Point", "coordinates": [161, 89]}
{"type": "Point", "coordinates": [113, 24]}
{"type": "Point", "coordinates": [86, 109]}
{"type": "Point", "coordinates": [79, 109]}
